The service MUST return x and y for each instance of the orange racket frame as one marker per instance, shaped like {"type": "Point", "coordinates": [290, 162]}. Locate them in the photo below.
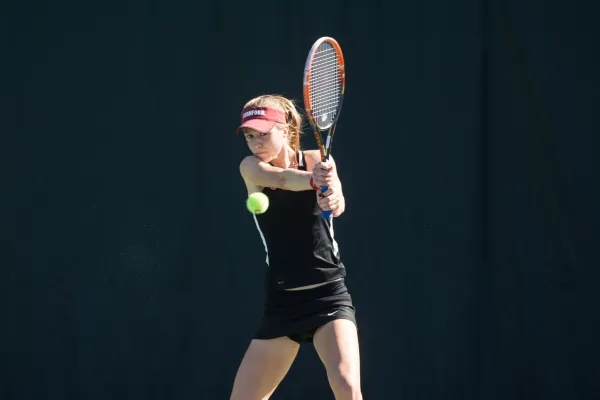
{"type": "Point", "coordinates": [325, 148]}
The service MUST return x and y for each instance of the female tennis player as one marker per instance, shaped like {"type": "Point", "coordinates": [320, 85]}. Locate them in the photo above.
{"type": "Point", "coordinates": [306, 299]}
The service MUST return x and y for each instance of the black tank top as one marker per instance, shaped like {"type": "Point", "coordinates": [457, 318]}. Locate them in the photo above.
{"type": "Point", "coordinates": [300, 245]}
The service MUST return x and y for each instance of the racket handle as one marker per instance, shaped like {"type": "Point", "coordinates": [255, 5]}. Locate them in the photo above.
{"type": "Point", "coordinates": [325, 214]}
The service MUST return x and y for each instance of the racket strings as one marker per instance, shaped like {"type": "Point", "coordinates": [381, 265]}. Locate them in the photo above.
{"type": "Point", "coordinates": [325, 84]}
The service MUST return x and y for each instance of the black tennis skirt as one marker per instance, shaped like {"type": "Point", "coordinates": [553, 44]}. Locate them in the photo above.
{"type": "Point", "coordinates": [297, 314]}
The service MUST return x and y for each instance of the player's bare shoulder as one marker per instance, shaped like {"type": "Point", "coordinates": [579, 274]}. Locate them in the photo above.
{"type": "Point", "coordinates": [248, 164]}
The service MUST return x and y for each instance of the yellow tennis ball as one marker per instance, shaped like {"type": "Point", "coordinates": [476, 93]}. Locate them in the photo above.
{"type": "Point", "coordinates": [257, 203]}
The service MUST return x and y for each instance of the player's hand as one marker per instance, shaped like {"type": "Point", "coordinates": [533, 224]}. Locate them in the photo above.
{"type": "Point", "coordinates": [324, 174]}
{"type": "Point", "coordinates": [329, 200]}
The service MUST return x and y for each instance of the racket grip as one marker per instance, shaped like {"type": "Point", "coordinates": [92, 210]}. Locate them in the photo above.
{"type": "Point", "coordinates": [325, 214]}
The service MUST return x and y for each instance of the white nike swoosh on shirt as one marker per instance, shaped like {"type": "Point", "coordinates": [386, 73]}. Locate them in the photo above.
{"type": "Point", "coordinates": [330, 314]}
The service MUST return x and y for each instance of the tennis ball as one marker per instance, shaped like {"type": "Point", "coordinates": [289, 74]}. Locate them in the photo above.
{"type": "Point", "coordinates": [257, 203]}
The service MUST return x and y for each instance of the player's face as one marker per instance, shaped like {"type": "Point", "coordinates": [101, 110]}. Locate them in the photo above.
{"type": "Point", "coordinates": [266, 146]}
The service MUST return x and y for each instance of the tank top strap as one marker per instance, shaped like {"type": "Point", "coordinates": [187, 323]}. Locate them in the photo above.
{"type": "Point", "coordinates": [301, 161]}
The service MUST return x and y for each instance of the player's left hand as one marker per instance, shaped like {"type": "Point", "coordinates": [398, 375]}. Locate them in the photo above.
{"type": "Point", "coordinates": [324, 174]}
{"type": "Point", "coordinates": [329, 200]}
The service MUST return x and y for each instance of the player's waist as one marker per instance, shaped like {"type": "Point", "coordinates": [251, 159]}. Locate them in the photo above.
{"type": "Point", "coordinates": [293, 261]}
{"type": "Point", "coordinates": [278, 279]}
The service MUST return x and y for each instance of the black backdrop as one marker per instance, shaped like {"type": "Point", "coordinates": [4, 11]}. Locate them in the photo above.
{"type": "Point", "coordinates": [133, 271]}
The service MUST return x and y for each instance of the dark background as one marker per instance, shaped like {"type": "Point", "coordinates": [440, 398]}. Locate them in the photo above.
{"type": "Point", "coordinates": [132, 270]}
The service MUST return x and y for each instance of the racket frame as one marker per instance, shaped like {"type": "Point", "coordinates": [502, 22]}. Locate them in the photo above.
{"type": "Point", "coordinates": [324, 147]}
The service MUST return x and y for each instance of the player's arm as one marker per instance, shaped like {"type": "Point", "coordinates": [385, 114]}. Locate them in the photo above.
{"type": "Point", "coordinates": [261, 174]}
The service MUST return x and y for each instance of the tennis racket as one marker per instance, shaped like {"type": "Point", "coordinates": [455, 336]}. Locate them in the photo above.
{"type": "Point", "coordinates": [323, 90]}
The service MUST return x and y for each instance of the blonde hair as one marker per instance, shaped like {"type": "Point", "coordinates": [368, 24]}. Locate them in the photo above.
{"type": "Point", "coordinates": [293, 118]}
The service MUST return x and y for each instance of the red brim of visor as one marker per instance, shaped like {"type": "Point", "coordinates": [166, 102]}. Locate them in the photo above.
{"type": "Point", "coordinates": [261, 119]}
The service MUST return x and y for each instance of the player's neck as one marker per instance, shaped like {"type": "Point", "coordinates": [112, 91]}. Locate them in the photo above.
{"type": "Point", "coordinates": [286, 158]}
